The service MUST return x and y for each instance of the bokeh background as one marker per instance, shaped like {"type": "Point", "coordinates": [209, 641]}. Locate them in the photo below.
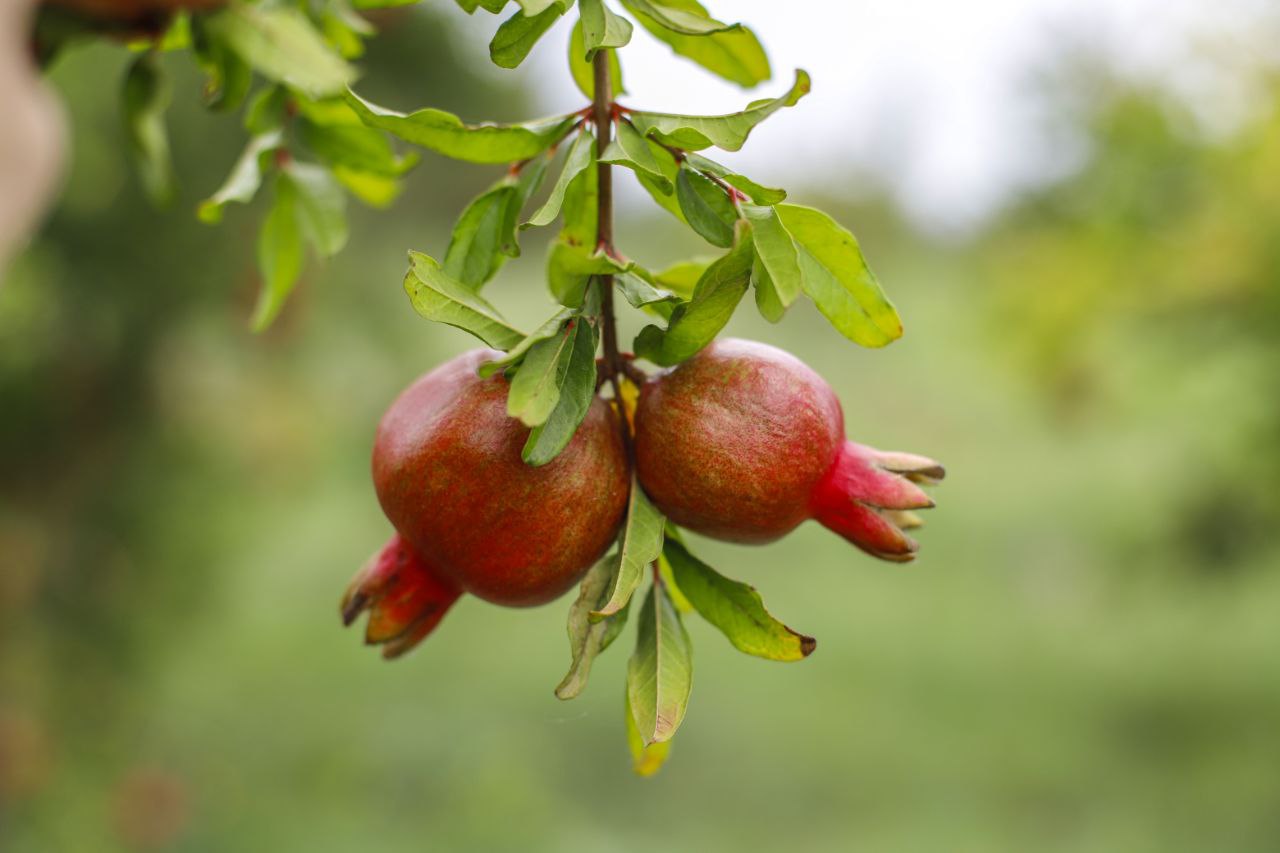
{"type": "Point", "coordinates": [1076, 207]}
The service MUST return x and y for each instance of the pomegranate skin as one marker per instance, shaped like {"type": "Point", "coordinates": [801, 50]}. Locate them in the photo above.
{"type": "Point", "coordinates": [448, 474]}
{"type": "Point", "coordinates": [733, 441]}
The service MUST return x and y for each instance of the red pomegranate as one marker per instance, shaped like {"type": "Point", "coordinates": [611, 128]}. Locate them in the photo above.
{"type": "Point", "coordinates": [470, 515]}
{"type": "Point", "coordinates": [743, 442]}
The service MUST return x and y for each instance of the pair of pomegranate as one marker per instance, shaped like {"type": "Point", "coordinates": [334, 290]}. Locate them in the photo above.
{"type": "Point", "coordinates": [741, 442]}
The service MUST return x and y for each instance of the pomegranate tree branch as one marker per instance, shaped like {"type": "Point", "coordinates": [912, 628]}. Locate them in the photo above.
{"type": "Point", "coordinates": [602, 116]}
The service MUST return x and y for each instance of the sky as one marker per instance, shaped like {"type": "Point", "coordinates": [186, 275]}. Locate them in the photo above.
{"type": "Point", "coordinates": [933, 99]}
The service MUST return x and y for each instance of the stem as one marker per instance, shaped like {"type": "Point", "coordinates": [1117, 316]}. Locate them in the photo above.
{"type": "Point", "coordinates": [602, 116]}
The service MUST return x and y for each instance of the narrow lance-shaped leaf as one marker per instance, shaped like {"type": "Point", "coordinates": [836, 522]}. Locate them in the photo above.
{"type": "Point", "coordinates": [735, 608]}
{"type": "Point", "coordinates": [588, 638]}
{"type": "Point", "coordinates": [282, 45]}
{"type": "Point", "coordinates": [519, 33]}
{"type": "Point", "coordinates": [776, 251]}
{"type": "Point", "coordinates": [602, 28]}
{"type": "Point", "coordinates": [706, 207]}
{"type": "Point", "coordinates": [836, 277]}
{"type": "Point", "coordinates": [549, 329]}
{"type": "Point", "coordinates": [735, 54]}
{"type": "Point", "coordinates": [245, 178]}
{"type": "Point", "coordinates": [641, 544]}
{"type": "Point", "coordinates": [583, 73]}
{"type": "Point", "coordinates": [758, 193]}
{"type": "Point", "coordinates": [695, 324]}
{"type": "Point", "coordinates": [581, 156]}
{"type": "Point", "coordinates": [730, 132]}
{"type": "Point", "coordinates": [632, 150]}
{"type": "Point", "coordinates": [445, 133]}
{"type": "Point", "coordinates": [768, 302]}
{"type": "Point", "coordinates": [535, 389]}
{"type": "Point", "coordinates": [146, 97]}
{"type": "Point", "coordinates": [646, 759]}
{"type": "Point", "coordinates": [437, 296]}
{"type": "Point", "coordinates": [660, 671]}
{"type": "Point", "coordinates": [546, 441]}
{"type": "Point", "coordinates": [279, 253]}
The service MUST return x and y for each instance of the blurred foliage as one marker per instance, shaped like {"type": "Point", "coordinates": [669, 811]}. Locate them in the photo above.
{"type": "Point", "coordinates": [181, 503]}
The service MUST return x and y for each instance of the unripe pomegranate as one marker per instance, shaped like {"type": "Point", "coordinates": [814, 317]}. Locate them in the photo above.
{"type": "Point", "coordinates": [470, 515]}
{"type": "Point", "coordinates": [744, 441]}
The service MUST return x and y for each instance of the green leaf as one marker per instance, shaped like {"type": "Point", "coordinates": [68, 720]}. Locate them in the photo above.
{"type": "Point", "coordinates": [519, 33]}
{"type": "Point", "coordinates": [282, 45]}
{"type": "Point", "coordinates": [696, 323]}
{"type": "Point", "coordinates": [735, 54]}
{"type": "Point", "coordinates": [491, 6]}
{"type": "Point", "coordinates": [355, 147]}
{"type": "Point", "coordinates": [474, 255]}
{"type": "Point", "coordinates": [245, 178]}
{"type": "Point", "coordinates": [662, 190]}
{"type": "Point", "coordinates": [321, 207]}
{"type": "Point", "coordinates": [582, 71]}
{"type": "Point", "coordinates": [582, 155]}
{"type": "Point", "coordinates": [777, 254]}
{"type": "Point", "coordinates": [374, 190]}
{"type": "Point", "coordinates": [279, 253]}
{"type": "Point", "coordinates": [730, 132]}
{"type": "Point", "coordinates": [146, 97]}
{"type": "Point", "coordinates": [686, 21]}
{"type": "Point", "coordinates": [537, 7]}
{"type": "Point", "coordinates": [660, 672]}
{"type": "Point", "coordinates": [344, 29]}
{"type": "Point", "coordinates": [227, 76]}
{"type": "Point", "coordinates": [682, 278]}
{"type": "Point", "coordinates": [437, 296]}
{"type": "Point", "coordinates": [587, 639]}
{"type": "Point", "coordinates": [546, 441]}
{"type": "Point", "coordinates": [525, 185]}
{"type": "Point", "coordinates": [633, 151]}
{"type": "Point", "coordinates": [445, 133]}
{"type": "Point", "coordinates": [757, 192]}
{"type": "Point", "coordinates": [768, 302]}
{"type": "Point", "coordinates": [646, 759]}
{"type": "Point", "coordinates": [735, 608]}
{"type": "Point", "coordinates": [836, 277]}
{"type": "Point", "coordinates": [549, 329]}
{"type": "Point", "coordinates": [601, 28]}
{"type": "Point", "coordinates": [579, 215]}
{"type": "Point", "coordinates": [484, 236]}
{"type": "Point", "coordinates": [535, 389]}
{"type": "Point", "coordinates": [641, 294]}
{"type": "Point", "coordinates": [570, 268]}
{"type": "Point", "coordinates": [265, 111]}
{"type": "Point", "coordinates": [641, 543]}
{"type": "Point", "coordinates": [706, 207]}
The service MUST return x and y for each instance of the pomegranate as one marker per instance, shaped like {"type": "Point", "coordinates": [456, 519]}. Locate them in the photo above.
{"type": "Point", "coordinates": [470, 515]}
{"type": "Point", "coordinates": [743, 442]}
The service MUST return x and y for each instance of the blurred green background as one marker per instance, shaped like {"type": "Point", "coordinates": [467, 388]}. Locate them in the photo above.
{"type": "Point", "coordinates": [1086, 657]}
